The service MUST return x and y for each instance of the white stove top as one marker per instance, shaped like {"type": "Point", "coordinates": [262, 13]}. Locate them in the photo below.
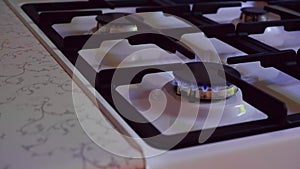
{"type": "Point", "coordinates": [276, 150]}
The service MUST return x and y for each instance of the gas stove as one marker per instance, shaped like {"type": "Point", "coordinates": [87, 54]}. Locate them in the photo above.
{"type": "Point", "coordinates": [198, 84]}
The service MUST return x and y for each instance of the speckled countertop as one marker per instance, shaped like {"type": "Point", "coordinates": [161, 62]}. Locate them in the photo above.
{"type": "Point", "coordinates": [39, 128]}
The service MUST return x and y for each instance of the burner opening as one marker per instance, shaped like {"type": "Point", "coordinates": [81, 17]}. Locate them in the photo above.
{"type": "Point", "coordinates": [111, 23]}
{"type": "Point", "coordinates": [207, 84]}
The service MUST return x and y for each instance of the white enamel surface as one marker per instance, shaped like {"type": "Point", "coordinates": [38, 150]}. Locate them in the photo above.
{"type": "Point", "coordinates": [120, 53]}
{"type": "Point", "coordinates": [78, 26]}
{"type": "Point", "coordinates": [87, 24]}
{"type": "Point", "coordinates": [225, 15]}
{"type": "Point", "coordinates": [275, 150]}
{"type": "Point", "coordinates": [161, 21]}
{"type": "Point", "coordinates": [225, 51]}
{"type": "Point", "coordinates": [212, 50]}
{"type": "Point", "coordinates": [150, 92]}
{"type": "Point", "coordinates": [202, 46]}
{"type": "Point", "coordinates": [284, 40]}
{"type": "Point", "coordinates": [274, 82]}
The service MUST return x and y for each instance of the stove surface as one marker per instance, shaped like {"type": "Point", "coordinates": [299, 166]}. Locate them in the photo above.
{"type": "Point", "coordinates": [258, 127]}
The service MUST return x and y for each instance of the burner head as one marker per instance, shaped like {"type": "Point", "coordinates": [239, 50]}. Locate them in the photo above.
{"type": "Point", "coordinates": [253, 14]}
{"type": "Point", "coordinates": [206, 83]}
{"type": "Point", "coordinates": [108, 23]}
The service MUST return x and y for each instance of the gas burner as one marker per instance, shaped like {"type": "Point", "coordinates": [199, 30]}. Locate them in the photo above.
{"type": "Point", "coordinates": [206, 83]}
{"type": "Point", "coordinates": [111, 23]}
{"type": "Point", "coordinates": [253, 14]}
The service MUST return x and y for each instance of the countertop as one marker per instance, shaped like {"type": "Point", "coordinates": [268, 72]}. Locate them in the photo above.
{"type": "Point", "coordinates": [39, 128]}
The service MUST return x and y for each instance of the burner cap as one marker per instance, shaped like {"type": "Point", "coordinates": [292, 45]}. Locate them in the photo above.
{"type": "Point", "coordinates": [253, 14]}
{"type": "Point", "coordinates": [202, 71]}
{"type": "Point", "coordinates": [205, 82]}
